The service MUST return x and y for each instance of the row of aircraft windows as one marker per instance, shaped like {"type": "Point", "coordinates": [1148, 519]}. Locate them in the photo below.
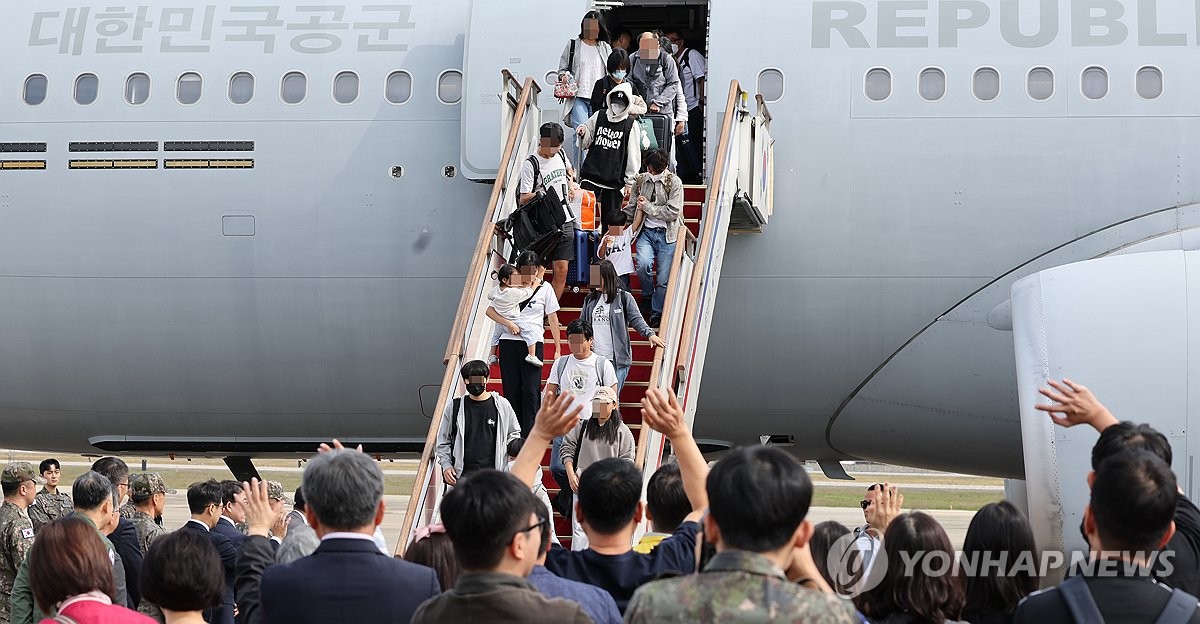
{"type": "Point", "coordinates": [985, 84]}
{"type": "Point", "coordinates": [293, 88]}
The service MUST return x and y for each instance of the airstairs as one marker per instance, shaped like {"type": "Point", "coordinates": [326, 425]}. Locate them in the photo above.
{"type": "Point", "coordinates": [738, 199]}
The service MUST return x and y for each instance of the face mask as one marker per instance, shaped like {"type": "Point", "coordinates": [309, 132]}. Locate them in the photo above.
{"type": "Point", "coordinates": [476, 389]}
{"type": "Point", "coordinates": [620, 74]}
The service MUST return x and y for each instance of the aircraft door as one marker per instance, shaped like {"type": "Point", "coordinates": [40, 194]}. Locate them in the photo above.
{"type": "Point", "coordinates": [526, 37]}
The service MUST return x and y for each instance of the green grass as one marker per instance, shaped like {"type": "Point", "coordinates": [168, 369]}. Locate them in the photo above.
{"type": "Point", "coordinates": [969, 500]}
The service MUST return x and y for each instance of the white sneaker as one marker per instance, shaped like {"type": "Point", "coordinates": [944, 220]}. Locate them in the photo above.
{"type": "Point", "coordinates": [533, 359]}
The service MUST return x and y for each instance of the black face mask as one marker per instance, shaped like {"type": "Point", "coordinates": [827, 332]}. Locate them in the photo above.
{"type": "Point", "coordinates": [476, 389]}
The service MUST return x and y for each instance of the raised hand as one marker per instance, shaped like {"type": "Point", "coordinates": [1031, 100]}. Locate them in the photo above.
{"type": "Point", "coordinates": [661, 412]}
{"type": "Point", "coordinates": [888, 504]}
{"type": "Point", "coordinates": [1073, 404]}
{"type": "Point", "coordinates": [259, 515]}
{"type": "Point", "coordinates": [558, 415]}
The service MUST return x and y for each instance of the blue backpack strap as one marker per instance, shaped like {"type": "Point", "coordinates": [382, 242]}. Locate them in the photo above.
{"type": "Point", "coordinates": [1179, 608]}
{"type": "Point", "coordinates": [1080, 603]}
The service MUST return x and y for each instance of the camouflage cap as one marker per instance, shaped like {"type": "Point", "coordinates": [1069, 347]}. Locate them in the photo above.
{"type": "Point", "coordinates": [20, 472]}
{"type": "Point", "coordinates": [146, 484]}
{"type": "Point", "coordinates": [275, 492]}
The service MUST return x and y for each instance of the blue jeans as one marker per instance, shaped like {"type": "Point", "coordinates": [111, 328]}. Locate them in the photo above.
{"type": "Point", "coordinates": [557, 468]}
{"type": "Point", "coordinates": [622, 374]}
{"type": "Point", "coordinates": [653, 249]}
{"type": "Point", "coordinates": [581, 111]}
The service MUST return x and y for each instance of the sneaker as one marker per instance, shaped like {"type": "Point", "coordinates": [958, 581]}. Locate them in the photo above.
{"type": "Point", "coordinates": [533, 359]}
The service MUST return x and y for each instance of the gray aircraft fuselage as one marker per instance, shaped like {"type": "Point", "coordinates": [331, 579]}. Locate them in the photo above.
{"type": "Point", "coordinates": [208, 306]}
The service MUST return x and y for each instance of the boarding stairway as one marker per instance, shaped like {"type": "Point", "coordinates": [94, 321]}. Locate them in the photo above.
{"type": "Point", "coordinates": [737, 200]}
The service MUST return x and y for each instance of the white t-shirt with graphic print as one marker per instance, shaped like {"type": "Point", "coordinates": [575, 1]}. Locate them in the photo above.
{"type": "Point", "coordinates": [554, 174]}
{"type": "Point", "coordinates": [578, 378]}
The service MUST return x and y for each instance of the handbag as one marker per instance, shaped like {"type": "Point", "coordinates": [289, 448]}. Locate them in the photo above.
{"type": "Point", "coordinates": [567, 87]}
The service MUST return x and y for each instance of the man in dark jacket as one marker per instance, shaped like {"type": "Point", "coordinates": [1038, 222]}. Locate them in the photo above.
{"type": "Point", "coordinates": [347, 579]}
{"type": "Point", "coordinates": [125, 537]}
{"type": "Point", "coordinates": [205, 503]}
{"type": "Point", "coordinates": [492, 520]}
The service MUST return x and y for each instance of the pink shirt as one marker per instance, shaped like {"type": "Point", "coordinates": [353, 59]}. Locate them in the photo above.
{"type": "Point", "coordinates": [88, 610]}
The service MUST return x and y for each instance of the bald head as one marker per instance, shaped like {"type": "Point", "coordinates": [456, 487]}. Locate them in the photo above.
{"type": "Point", "coordinates": [648, 46]}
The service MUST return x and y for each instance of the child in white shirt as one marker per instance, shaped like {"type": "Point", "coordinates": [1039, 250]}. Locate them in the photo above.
{"type": "Point", "coordinates": [617, 247]}
{"type": "Point", "coordinates": [506, 298]}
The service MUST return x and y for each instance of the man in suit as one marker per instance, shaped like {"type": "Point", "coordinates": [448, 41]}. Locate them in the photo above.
{"type": "Point", "coordinates": [295, 517]}
{"type": "Point", "coordinates": [1127, 522]}
{"type": "Point", "coordinates": [124, 537]}
{"type": "Point", "coordinates": [205, 501]}
{"type": "Point", "coordinates": [347, 579]}
{"type": "Point", "coordinates": [233, 512]}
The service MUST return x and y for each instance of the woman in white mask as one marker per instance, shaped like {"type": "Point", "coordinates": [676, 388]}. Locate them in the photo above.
{"type": "Point", "coordinates": [618, 73]}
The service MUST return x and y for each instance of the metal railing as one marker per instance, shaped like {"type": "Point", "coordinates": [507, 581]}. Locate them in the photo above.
{"type": "Point", "coordinates": [471, 332]}
{"type": "Point", "coordinates": [691, 294]}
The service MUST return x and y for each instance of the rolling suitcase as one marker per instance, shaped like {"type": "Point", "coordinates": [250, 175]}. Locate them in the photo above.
{"type": "Point", "coordinates": [662, 131]}
{"type": "Point", "coordinates": [579, 267]}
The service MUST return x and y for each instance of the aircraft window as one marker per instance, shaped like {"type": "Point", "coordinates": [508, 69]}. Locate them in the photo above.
{"type": "Point", "coordinates": [241, 88]}
{"type": "Point", "coordinates": [932, 84]}
{"type": "Point", "coordinates": [35, 90]}
{"type": "Point", "coordinates": [1040, 83]}
{"type": "Point", "coordinates": [770, 85]}
{"type": "Point", "coordinates": [137, 88]}
{"type": "Point", "coordinates": [399, 87]}
{"type": "Point", "coordinates": [189, 88]}
{"type": "Point", "coordinates": [345, 87]}
{"type": "Point", "coordinates": [87, 87]}
{"type": "Point", "coordinates": [878, 84]}
{"type": "Point", "coordinates": [1094, 83]}
{"type": "Point", "coordinates": [1149, 82]}
{"type": "Point", "coordinates": [295, 85]}
{"type": "Point", "coordinates": [986, 85]}
{"type": "Point", "coordinates": [450, 86]}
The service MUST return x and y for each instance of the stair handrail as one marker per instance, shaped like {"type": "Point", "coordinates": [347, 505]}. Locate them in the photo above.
{"type": "Point", "coordinates": [664, 375]}
{"type": "Point", "coordinates": [517, 112]}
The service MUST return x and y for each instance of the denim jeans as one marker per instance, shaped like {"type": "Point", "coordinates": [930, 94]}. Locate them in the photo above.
{"type": "Point", "coordinates": [622, 374]}
{"type": "Point", "coordinates": [653, 249]}
{"type": "Point", "coordinates": [581, 111]}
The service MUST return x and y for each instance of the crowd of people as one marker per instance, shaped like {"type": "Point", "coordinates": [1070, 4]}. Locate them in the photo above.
{"type": "Point", "coordinates": [729, 542]}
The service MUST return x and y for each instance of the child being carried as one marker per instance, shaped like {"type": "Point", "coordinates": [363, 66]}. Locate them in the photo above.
{"type": "Point", "coordinates": [507, 298]}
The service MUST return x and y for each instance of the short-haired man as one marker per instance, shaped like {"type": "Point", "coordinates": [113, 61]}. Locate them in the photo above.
{"type": "Point", "coordinates": [758, 498]}
{"type": "Point", "coordinates": [295, 517]}
{"type": "Point", "coordinates": [233, 512]}
{"type": "Point", "coordinates": [492, 520]}
{"type": "Point", "coordinates": [609, 505]}
{"type": "Point", "coordinates": [476, 427]}
{"type": "Point", "coordinates": [124, 536]}
{"type": "Point", "coordinates": [19, 484]}
{"type": "Point", "coordinates": [693, 68]}
{"type": "Point", "coordinates": [149, 495]}
{"type": "Point", "coordinates": [867, 535]}
{"type": "Point", "coordinates": [96, 501]}
{"type": "Point", "coordinates": [666, 506]}
{"type": "Point", "coordinates": [1073, 404]}
{"type": "Point", "coordinates": [51, 503]}
{"type": "Point", "coordinates": [578, 375]}
{"type": "Point", "coordinates": [1128, 521]}
{"type": "Point", "coordinates": [549, 168]}
{"type": "Point", "coordinates": [206, 499]}
{"type": "Point", "coordinates": [597, 603]}
{"type": "Point", "coordinates": [347, 579]}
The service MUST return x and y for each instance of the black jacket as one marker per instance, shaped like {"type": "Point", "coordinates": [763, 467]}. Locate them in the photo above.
{"type": "Point", "coordinates": [603, 86]}
{"type": "Point", "coordinates": [1124, 599]}
{"type": "Point", "coordinates": [224, 613]}
{"type": "Point", "coordinates": [125, 541]}
{"type": "Point", "coordinates": [345, 580]}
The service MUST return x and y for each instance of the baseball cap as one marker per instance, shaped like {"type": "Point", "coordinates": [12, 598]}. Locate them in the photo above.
{"type": "Point", "coordinates": [275, 492]}
{"type": "Point", "coordinates": [147, 484]}
{"type": "Point", "coordinates": [606, 394]}
{"type": "Point", "coordinates": [20, 472]}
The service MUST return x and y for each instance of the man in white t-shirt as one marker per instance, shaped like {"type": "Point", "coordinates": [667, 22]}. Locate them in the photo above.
{"type": "Point", "coordinates": [578, 375]}
{"type": "Point", "coordinates": [555, 172]}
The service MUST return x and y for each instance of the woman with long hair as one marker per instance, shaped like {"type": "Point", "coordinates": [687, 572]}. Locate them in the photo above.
{"type": "Point", "coordinates": [602, 436]}
{"type": "Point", "coordinates": [999, 535]}
{"type": "Point", "coordinates": [918, 586]}
{"type": "Point", "coordinates": [585, 58]}
{"type": "Point", "coordinates": [70, 574]}
{"type": "Point", "coordinates": [612, 311]}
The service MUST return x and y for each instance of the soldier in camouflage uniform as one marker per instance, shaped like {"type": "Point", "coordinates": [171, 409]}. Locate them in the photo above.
{"type": "Point", "coordinates": [51, 503]}
{"type": "Point", "coordinates": [758, 497]}
{"type": "Point", "coordinates": [19, 483]}
{"type": "Point", "coordinates": [148, 494]}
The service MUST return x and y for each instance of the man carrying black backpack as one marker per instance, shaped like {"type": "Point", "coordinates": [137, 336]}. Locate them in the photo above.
{"type": "Point", "coordinates": [548, 169]}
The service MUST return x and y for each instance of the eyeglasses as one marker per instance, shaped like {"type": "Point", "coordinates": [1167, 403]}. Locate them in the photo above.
{"type": "Point", "coordinates": [541, 523]}
{"type": "Point", "coordinates": [864, 503]}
